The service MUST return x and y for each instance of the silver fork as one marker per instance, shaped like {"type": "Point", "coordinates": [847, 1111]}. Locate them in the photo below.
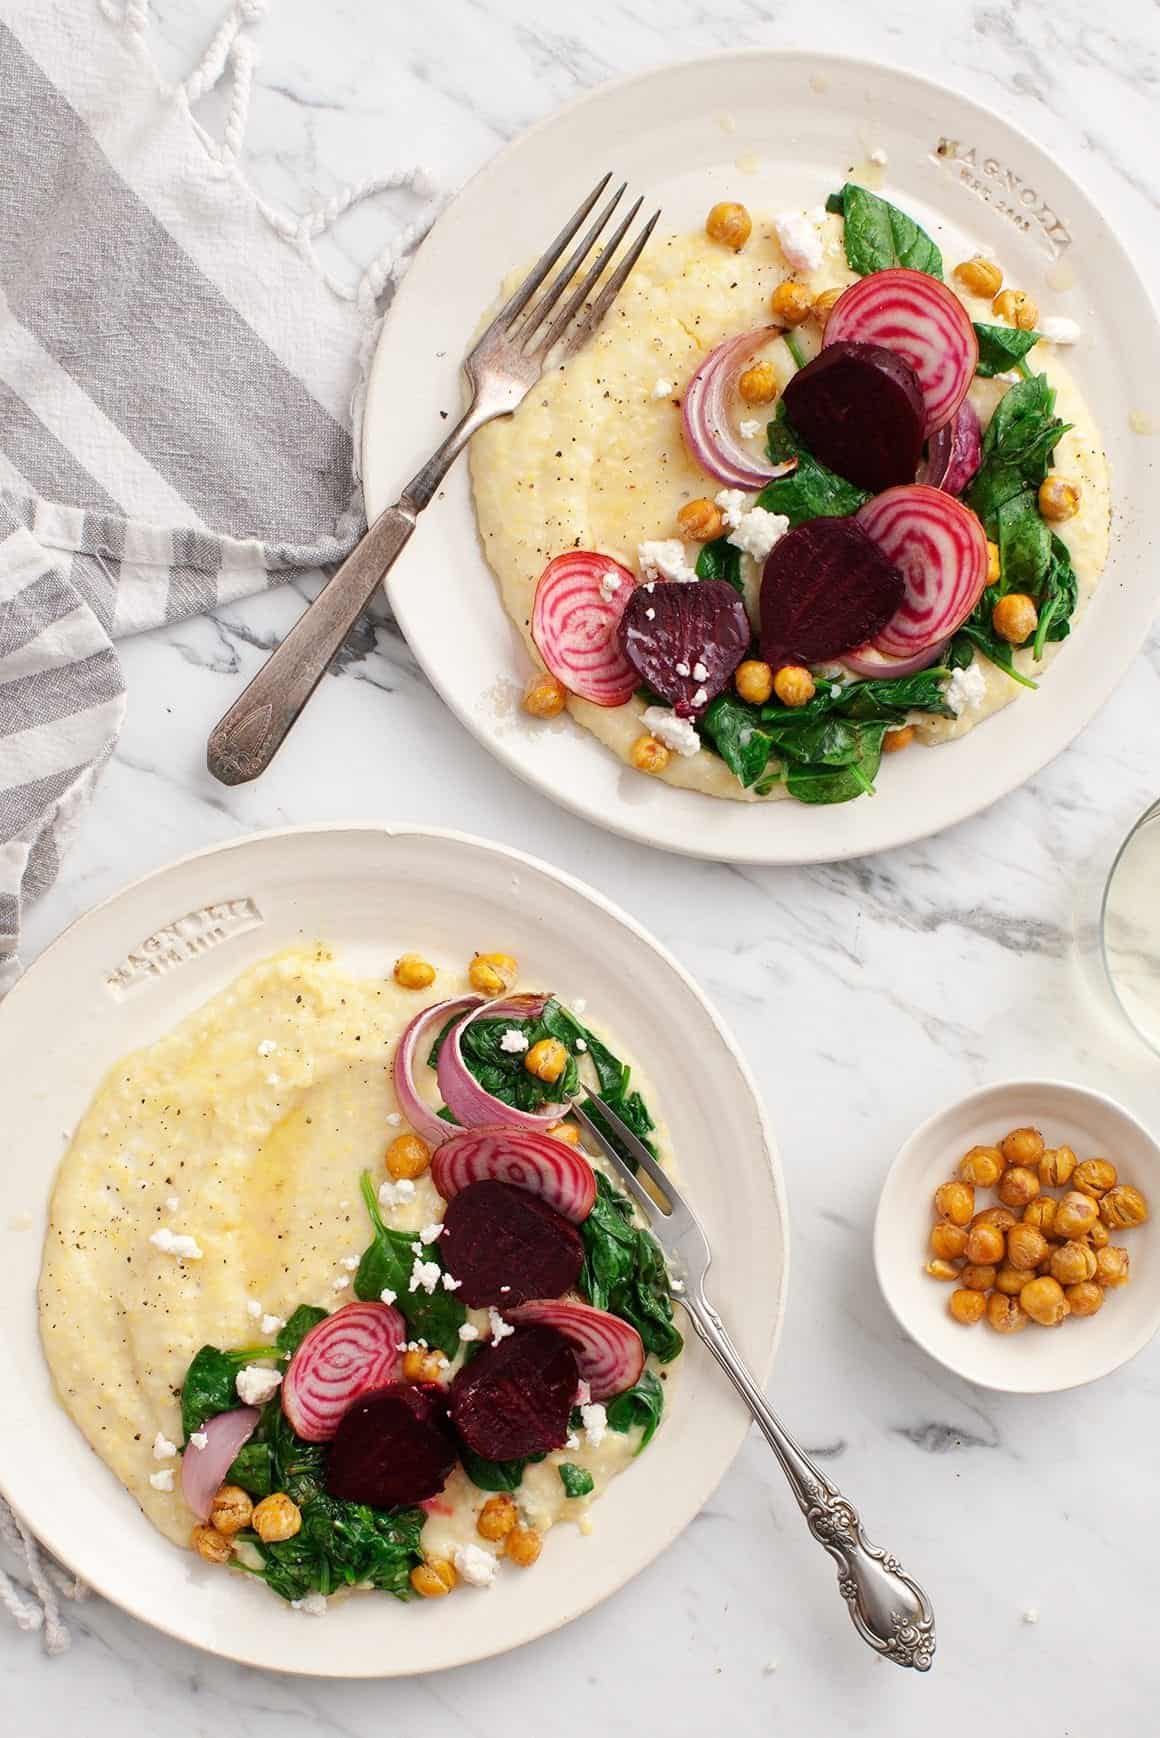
{"type": "Point", "coordinates": [503, 366]}
{"type": "Point", "coordinates": [891, 1612]}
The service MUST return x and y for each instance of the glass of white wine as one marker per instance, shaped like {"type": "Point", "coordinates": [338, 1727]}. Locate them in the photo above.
{"type": "Point", "coordinates": [1130, 926]}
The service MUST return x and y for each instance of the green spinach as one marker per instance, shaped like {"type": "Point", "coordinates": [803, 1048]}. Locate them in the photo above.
{"type": "Point", "coordinates": [386, 1266]}
{"type": "Point", "coordinates": [493, 1475]}
{"type": "Point", "coordinates": [1058, 597]}
{"type": "Point", "coordinates": [253, 1469]}
{"type": "Point", "coordinates": [576, 1480]}
{"type": "Point", "coordinates": [210, 1384]}
{"type": "Point", "coordinates": [734, 729]}
{"type": "Point", "coordinates": [641, 1405]}
{"type": "Point", "coordinates": [721, 560]}
{"type": "Point", "coordinates": [624, 1271]}
{"type": "Point", "coordinates": [877, 235]}
{"type": "Point", "coordinates": [501, 1072]}
{"type": "Point", "coordinates": [295, 1330]}
{"type": "Point", "coordinates": [1002, 348]}
{"type": "Point", "coordinates": [1024, 543]}
{"type": "Point", "coordinates": [613, 1076]}
{"type": "Point", "coordinates": [840, 780]}
{"type": "Point", "coordinates": [343, 1544]}
{"type": "Point", "coordinates": [811, 491]}
{"type": "Point", "coordinates": [1017, 447]}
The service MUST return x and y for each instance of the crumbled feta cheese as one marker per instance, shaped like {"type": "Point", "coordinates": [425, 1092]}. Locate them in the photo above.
{"type": "Point", "coordinates": [662, 388]}
{"type": "Point", "coordinates": [965, 689]}
{"type": "Point", "coordinates": [253, 1308]}
{"type": "Point", "coordinates": [609, 586]}
{"type": "Point", "coordinates": [878, 156]}
{"type": "Point", "coordinates": [499, 1328]}
{"type": "Point", "coordinates": [430, 1233]}
{"type": "Point", "coordinates": [172, 1203]}
{"type": "Point", "coordinates": [425, 1274]}
{"type": "Point", "coordinates": [163, 1449]}
{"type": "Point", "coordinates": [388, 1296]}
{"type": "Point", "coordinates": [350, 1262]}
{"type": "Point", "coordinates": [700, 696]}
{"type": "Point", "coordinates": [175, 1243]}
{"type": "Point", "coordinates": [394, 1118]}
{"type": "Point", "coordinates": [199, 1439]}
{"type": "Point", "coordinates": [163, 1480]}
{"type": "Point", "coordinates": [700, 674]}
{"type": "Point", "coordinates": [579, 1005]}
{"type": "Point", "coordinates": [474, 1565]}
{"type": "Point", "coordinates": [450, 1284]}
{"type": "Point", "coordinates": [580, 1044]}
{"type": "Point", "coordinates": [650, 615]}
{"type": "Point", "coordinates": [595, 1419]}
{"type": "Point", "coordinates": [271, 1324]}
{"type": "Point", "coordinates": [267, 1047]}
{"type": "Point", "coordinates": [734, 504]}
{"type": "Point", "coordinates": [394, 1194]}
{"type": "Point", "coordinates": [514, 1041]}
{"type": "Point", "coordinates": [340, 1284]}
{"type": "Point", "coordinates": [757, 531]}
{"type": "Point", "coordinates": [682, 669]}
{"type": "Point", "coordinates": [312, 1604]}
{"type": "Point", "coordinates": [798, 238]}
{"type": "Point", "coordinates": [1058, 329]}
{"type": "Point", "coordinates": [468, 1331]}
{"type": "Point", "coordinates": [750, 427]}
{"type": "Point", "coordinates": [571, 1440]}
{"type": "Point", "coordinates": [664, 558]}
{"type": "Point", "coordinates": [256, 1384]}
{"type": "Point", "coordinates": [505, 1288]}
{"type": "Point", "coordinates": [676, 733]}
{"type": "Point", "coordinates": [1011, 377]}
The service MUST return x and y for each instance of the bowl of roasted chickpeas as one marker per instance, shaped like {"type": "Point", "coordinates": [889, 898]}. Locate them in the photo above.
{"type": "Point", "coordinates": [1014, 1239]}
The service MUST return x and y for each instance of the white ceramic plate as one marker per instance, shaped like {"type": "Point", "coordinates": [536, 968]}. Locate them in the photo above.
{"type": "Point", "coordinates": [130, 969]}
{"type": "Point", "coordinates": [1037, 1360]}
{"type": "Point", "coordinates": [772, 129]}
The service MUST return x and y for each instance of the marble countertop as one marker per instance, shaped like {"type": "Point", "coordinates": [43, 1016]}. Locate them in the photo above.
{"type": "Point", "coordinates": [864, 995]}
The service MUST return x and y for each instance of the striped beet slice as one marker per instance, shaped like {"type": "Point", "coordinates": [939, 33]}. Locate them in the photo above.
{"type": "Point", "coordinates": [940, 549]}
{"type": "Point", "coordinates": [922, 321]}
{"type": "Point", "coordinates": [579, 601]}
{"type": "Point", "coordinates": [342, 1358]}
{"type": "Point", "coordinates": [539, 1163]}
{"type": "Point", "coordinates": [609, 1351]}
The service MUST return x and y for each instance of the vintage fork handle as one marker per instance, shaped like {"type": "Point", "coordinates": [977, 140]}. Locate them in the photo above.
{"type": "Point", "coordinates": [889, 1609]}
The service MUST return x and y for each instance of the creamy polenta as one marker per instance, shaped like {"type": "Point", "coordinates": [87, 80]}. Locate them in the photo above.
{"type": "Point", "coordinates": [211, 1188]}
{"type": "Point", "coordinates": [594, 458]}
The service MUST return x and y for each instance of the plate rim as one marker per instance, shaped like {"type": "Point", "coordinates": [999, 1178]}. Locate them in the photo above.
{"type": "Point", "coordinates": [771, 1169]}
{"type": "Point", "coordinates": [619, 822]}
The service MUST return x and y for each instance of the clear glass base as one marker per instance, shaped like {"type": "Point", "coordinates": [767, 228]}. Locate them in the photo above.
{"type": "Point", "coordinates": [1130, 926]}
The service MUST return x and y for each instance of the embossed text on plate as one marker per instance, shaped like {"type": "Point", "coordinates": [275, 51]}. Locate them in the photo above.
{"type": "Point", "coordinates": [1001, 187]}
{"type": "Point", "coordinates": [183, 939]}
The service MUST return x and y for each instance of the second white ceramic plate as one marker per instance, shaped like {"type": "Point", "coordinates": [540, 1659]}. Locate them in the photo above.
{"type": "Point", "coordinates": [773, 130]}
{"type": "Point", "coordinates": [136, 965]}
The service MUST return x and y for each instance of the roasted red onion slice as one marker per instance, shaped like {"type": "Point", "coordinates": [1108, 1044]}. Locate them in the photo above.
{"type": "Point", "coordinates": [538, 1163]}
{"type": "Point", "coordinates": [876, 665]}
{"type": "Point", "coordinates": [464, 1097]}
{"type": "Point", "coordinates": [414, 1046]}
{"type": "Point", "coordinates": [954, 452]}
{"type": "Point", "coordinates": [609, 1351]}
{"type": "Point", "coordinates": [203, 1470]}
{"type": "Point", "coordinates": [707, 421]}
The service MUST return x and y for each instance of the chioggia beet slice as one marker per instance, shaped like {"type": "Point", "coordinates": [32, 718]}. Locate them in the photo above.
{"type": "Point", "coordinates": [392, 1447]}
{"type": "Point", "coordinates": [826, 589]}
{"type": "Point", "coordinates": [685, 640]}
{"type": "Point", "coordinates": [541, 1164]}
{"type": "Point", "coordinates": [504, 1246]}
{"type": "Point", "coordinates": [340, 1359]}
{"type": "Point", "coordinates": [514, 1399]}
{"type": "Point", "coordinates": [609, 1351]}
{"type": "Point", "coordinates": [922, 321]}
{"type": "Point", "coordinates": [940, 549]}
{"type": "Point", "coordinates": [859, 409]}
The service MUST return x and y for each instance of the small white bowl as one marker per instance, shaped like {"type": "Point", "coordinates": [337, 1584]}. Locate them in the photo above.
{"type": "Point", "coordinates": [1037, 1360]}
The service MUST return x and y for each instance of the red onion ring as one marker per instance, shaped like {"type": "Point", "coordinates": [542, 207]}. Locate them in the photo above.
{"type": "Point", "coordinates": [204, 1469]}
{"type": "Point", "coordinates": [412, 1046]}
{"type": "Point", "coordinates": [865, 661]}
{"type": "Point", "coordinates": [954, 452]}
{"type": "Point", "coordinates": [464, 1097]}
{"type": "Point", "coordinates": [705, 415]}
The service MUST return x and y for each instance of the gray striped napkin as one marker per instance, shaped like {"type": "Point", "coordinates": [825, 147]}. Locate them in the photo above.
{"type": "Point", "coordinates": [177, 376]}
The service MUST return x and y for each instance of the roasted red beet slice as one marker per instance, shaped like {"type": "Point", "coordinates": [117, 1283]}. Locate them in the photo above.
{"type": "Point", "coordinates": [505, 1246]}
{"type": "Point", "coordinates": [685, 640]}
{"type": "Point", "coordinates": [393, 1446]}
{"type": "Point", "coordinates": [826, 589]}
{"type": "Point", "coordinates": [859, 409]}
{"type": "Point", "coordinates": [514, 1399]}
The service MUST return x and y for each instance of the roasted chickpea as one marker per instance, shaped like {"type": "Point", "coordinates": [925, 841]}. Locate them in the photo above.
{"type": "Point", "coordinates": [1058, 499]}
{"type": "Point", "coordinates": [407, 1156]}
{"type": "Point", "coordinates": [649, 754]}
{"type": "Point", "coordinates": [1072, 1263]}
{"type": "Point", "coordinates": [967, 1307]}
{"type": "Point", "coordinates": [701, 520]}
{"type": "Point", "coordinates": [824, 305]}
{"type": "Point", "coordinates": [1041, 1214]}
{"type": "Point", "coordinates": [753, 680]}
{"type": "Point", "coordinates": [497, 1518]}
{"type": "Point", "coordinates": [1000, 1216]}
{"type": "Point", "coordinates": [1005, 1314]}
{"type": "Point", "coordinates": [955, 1201]}
{"type": "Point", "coordinates": [976, 1276]}
{"type": "Point", "coordinates": [1022, 1146]}
{"type": "Point", "coordinates": [566, 1132]}
{"type": "Point", "coordinates": [1017, 1186]}
{"type": "Point", "coordinates": [1085, 1298]}
{"type": "Point", "coordinates": [544, 696]}
{"type": "Point", "coordinates": [1123, 1207]}
{"type": "Point", "coordinates": [896, 739]}
{"type": "Point", "coordinates": [1044, 1301]}
{"type": "Point", "coordinates": [1112, 1266]}
{"type": "Point", "coordinates": [421, 1364]}
{"type": "Point", "coordinates": [524, 1545]}
{"type": "Point", "coordinates": [947, 1241]}
{"type": "Point", "coordinates": [1015, 618]}
{"type": "Point", "coordinates": [985, 1244]}
{"type": "Point", "coordinates": [1026, 1246]}
{"type": "Point", "coordinates": [276, 1517]}
{"type": "Point", "coordinates": [980, 276]}
{"type": "Point", "coordinates": [547, 1059]}
{"type": "Point", "coordinates": [791, 303]}
{"type": "Point", "coordinates": [936, 1269]}
{"type": "Point", "coordinates": [1099, 1236]}
{"type": "Point", "coordinates": [231, 1509]}
{"type": "Point", "coordinates": [758, 383]}
{"type": "Point", "coordinates": [1094, 1177]}
{"type": "Point", "coordinates": [793, 685]}
{"type": "Point", "coordinates": [1075, 1215]}
{"type": "Point", "coordinates": [492, 973]}
{"type": "Point", "coordinates": [730, 224]}
{"type": "Point", "coordinates": [413, 973]}
{"type": "Point", "coordinates": [212, 1546]}
{"type": "Point", "coordinates": [982, 1166]}
{"type": "Point", "coordinates": [992, 563]}
{"type": "Point", "coordinates": [1017, 307]}
{"type": "Point", "coordinates": [1056, 1167]}
{"type": "Point", "coordinates": [432, 1580]}
{"type": "Point", "coordinates": [1010, 1280]}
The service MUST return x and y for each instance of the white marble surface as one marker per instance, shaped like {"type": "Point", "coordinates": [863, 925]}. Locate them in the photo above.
{"type": "Point", "coordinates": [864, 996]}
